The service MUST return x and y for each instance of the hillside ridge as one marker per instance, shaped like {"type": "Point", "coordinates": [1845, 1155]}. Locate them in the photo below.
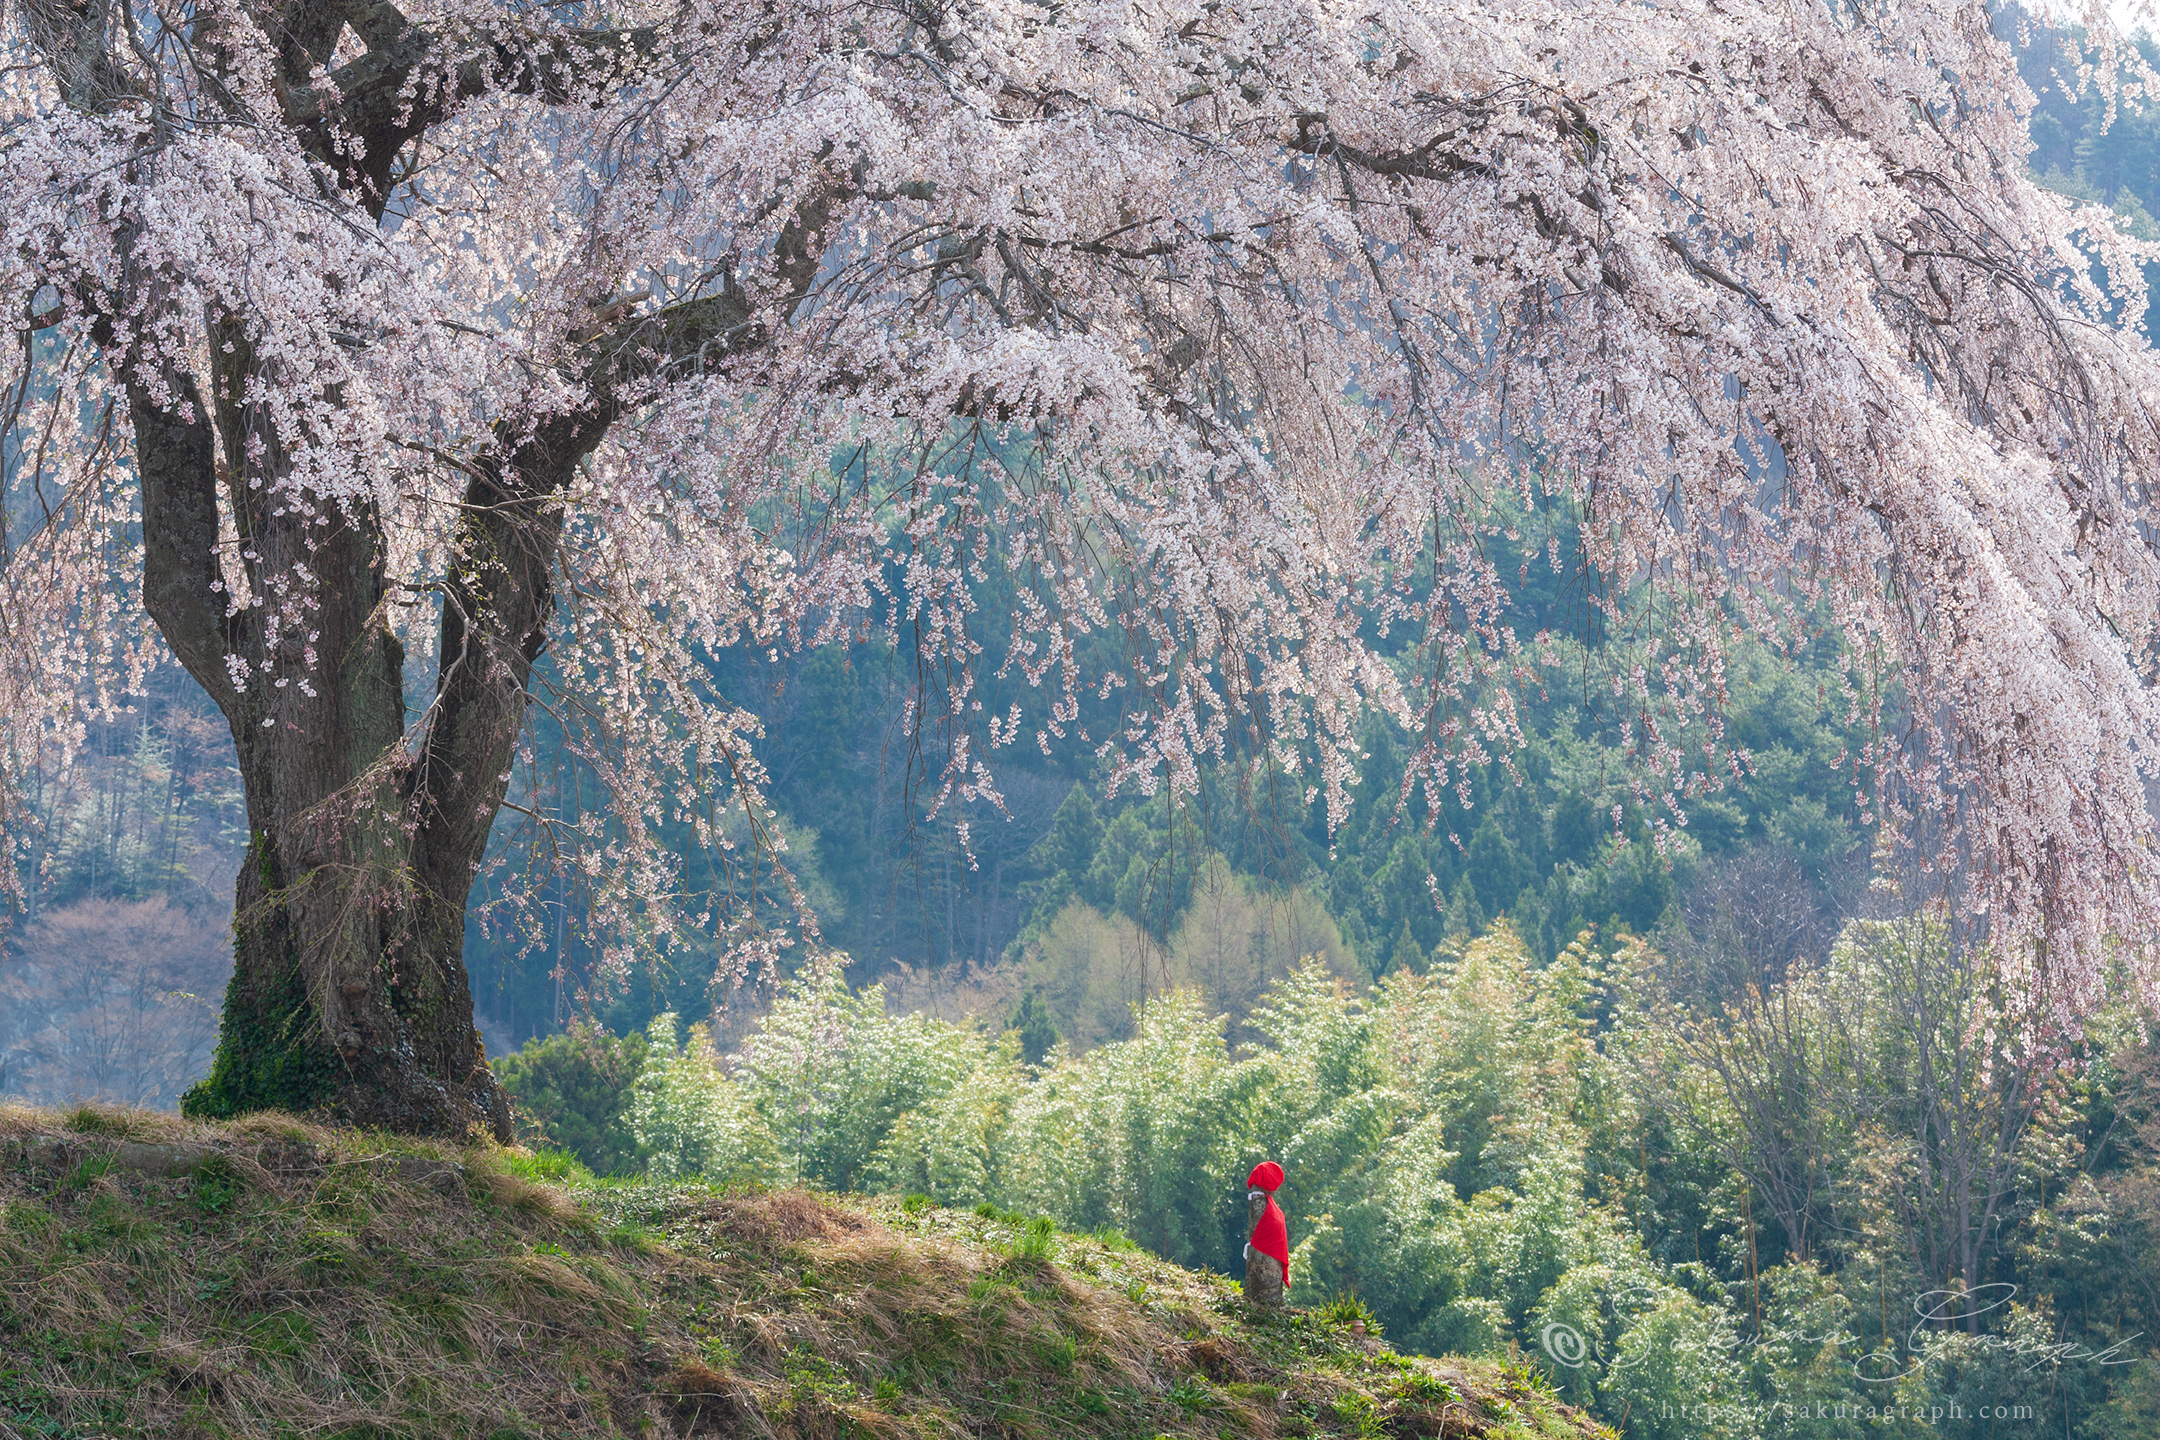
{"type": "Point", "coordinates": [268, 1277]}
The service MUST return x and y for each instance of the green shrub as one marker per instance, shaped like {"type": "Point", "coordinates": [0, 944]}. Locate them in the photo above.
{"type": "Point", "coordinates": [1349, 1311]}
{"type": "Point", "coordinates": [572, 1092]}
{"type": "Point", "coordinates": [690, 1118]}
{"type": "Point", "coordinates": [215, 1186]}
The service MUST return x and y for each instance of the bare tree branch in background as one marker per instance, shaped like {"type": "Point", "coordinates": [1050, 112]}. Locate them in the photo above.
{"type": "Point", "coordinates": [111, 1000]}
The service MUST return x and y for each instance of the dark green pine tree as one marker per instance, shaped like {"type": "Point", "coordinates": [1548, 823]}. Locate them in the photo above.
{"type": "Point", "coordinates": [1038, 1037]}
{"type": "Point", "coordinates": [1074, 834]}
{"type": "Point", "coordinates": [1407, 954]}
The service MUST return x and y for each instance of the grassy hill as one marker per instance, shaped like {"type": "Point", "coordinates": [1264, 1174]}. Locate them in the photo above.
{"type": "Point", "coordinates": [272, 1278]}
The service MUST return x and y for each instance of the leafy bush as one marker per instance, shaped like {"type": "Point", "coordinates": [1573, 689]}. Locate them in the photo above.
{"type": "Point", "coordinates": [690, 1119]}
{"type": "Point", "coordinates": [832, 1073]}
{"type": "Point", "coordinates": [572, 1092]}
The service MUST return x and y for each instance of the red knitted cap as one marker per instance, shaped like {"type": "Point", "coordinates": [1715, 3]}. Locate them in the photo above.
{"type": "Point", "coordinates": [1267, 1175]}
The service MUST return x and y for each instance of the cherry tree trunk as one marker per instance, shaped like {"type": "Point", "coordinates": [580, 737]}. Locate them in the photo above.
{"type": "Point", "coordinates": [349, 995]}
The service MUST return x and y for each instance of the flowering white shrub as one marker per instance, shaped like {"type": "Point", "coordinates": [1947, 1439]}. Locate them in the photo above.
{"type": "Point", "coordinates": [690, 1119]}
{"type": "Point", "coordinates": [831, 1072]}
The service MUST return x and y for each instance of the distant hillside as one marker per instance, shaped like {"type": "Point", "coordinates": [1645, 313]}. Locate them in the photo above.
{"type": "Point", "coordinates": [270, 1278]}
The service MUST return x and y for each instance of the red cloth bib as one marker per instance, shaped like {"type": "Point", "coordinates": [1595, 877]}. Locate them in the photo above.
{"type": "Point", "coordinates": [1272, 1235]}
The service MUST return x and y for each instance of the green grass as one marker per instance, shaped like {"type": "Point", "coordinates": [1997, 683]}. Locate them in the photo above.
{"type": "Point", "coordinates": [314, 1282]}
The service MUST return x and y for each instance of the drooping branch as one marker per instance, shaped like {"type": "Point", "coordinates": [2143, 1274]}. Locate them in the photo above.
{"type": "Point", "coordinates": [499, 595]}
{"type": "Point", "coordinates": [1285, 308]}
{"type": "Point", "coordinates": [411, 79]}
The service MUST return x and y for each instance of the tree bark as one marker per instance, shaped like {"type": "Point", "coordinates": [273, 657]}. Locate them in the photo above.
{"type": "Point", "coordinates": [349, 995]}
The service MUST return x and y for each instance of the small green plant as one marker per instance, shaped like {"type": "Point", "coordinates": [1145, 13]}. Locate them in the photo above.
{"type": "Point", "coordinates": [916, 1204]}
{"type": "Point", "coordinates": [215, 1187]}
{"type": "Point", "coordinates": [1428, 1389]}
{"type": "Point", "coordinates": [326, 1252]}
{"type": "Point", "coordinates": [807, 1370]}
{"type": "Point", "coordinates": [1351, 1313]}
{"type": "Point", "coordinates": [1195, 1395]}
{"type": "Point", "coordinates": [546, 1167]}
{"type": "Point", "coordinates": [1359, 1414]}
{"type": "Point", "coordinates": [1521, 1378]}
{"type": "Point", "coordinates": [24, 1218]}
{"type": "Point", "coordinates": [1036, 1239]}
{"type": "Point", "coordinates": [83, 1176]}
{"type": "Point", "coordinates": [1059, 1352]}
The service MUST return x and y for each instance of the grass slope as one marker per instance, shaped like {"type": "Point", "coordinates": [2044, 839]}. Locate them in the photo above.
{"type": "Point", "coordinates": [271, 1278]}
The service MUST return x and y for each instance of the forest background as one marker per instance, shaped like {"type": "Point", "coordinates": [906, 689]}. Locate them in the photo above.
{"type": "Point", "coordinates": [1709, 1121]}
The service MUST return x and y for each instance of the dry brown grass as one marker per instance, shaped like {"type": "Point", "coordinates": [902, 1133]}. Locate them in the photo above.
{"type": "Point", "coordinates": [306, 1281]}
{"type": "Point", "coordinates": [299, 1279]}
{"type": "Point", "coordinates": [547, 1204]}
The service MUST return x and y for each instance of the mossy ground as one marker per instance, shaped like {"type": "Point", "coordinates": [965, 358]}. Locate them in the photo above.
{"type": "Point", "coordinates": [303, 1281]}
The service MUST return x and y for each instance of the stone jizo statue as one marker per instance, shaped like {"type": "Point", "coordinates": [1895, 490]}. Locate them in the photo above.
{"type": "Point", "coordinates": [1267, 1253]}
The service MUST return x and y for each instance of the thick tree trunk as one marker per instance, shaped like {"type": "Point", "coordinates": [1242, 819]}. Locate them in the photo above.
{"type": "Point", "coordinates": [349, 995]}
{"type": "Point", "coordinates": [404, 1054]}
